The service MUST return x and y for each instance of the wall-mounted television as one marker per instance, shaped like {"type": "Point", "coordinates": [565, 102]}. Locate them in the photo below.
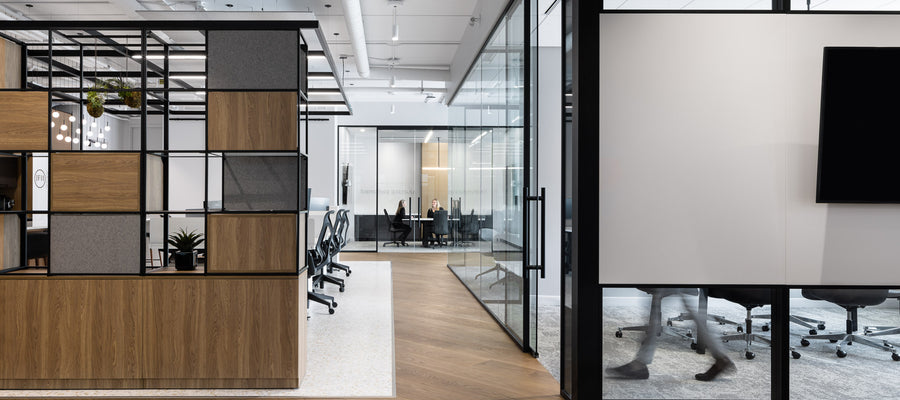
{"type": "Point", "coordinates": [859, 126]}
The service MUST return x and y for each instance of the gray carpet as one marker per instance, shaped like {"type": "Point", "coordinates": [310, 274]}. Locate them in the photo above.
{"type": "Point", "coordinates": [819, 374]}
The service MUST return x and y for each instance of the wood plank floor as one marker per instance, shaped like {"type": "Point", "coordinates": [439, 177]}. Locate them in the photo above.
{"type": "Point", "coordinates": [447, 346]}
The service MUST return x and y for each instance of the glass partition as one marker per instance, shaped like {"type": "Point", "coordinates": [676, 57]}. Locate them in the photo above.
{"type": "Point", "coordinates": [488, 177]}
{"type": "Point", "coordinates": [357, 186]}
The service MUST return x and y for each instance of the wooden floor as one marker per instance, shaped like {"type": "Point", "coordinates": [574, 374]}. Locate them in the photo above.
{"type": "Point", "coordinates": [447, 346]}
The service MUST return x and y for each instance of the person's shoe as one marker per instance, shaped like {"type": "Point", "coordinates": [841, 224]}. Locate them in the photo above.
{"type": "Point", "coordinates": [632, 370]}
{"type": "Point", "coordinates": [722, 366]}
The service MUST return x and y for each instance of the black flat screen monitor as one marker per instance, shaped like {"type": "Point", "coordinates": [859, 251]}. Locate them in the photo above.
{"type": "Point", "coordinates": [859, 128]}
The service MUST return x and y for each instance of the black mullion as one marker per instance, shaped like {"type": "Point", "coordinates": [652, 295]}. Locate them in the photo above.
{"type": "Point", "coordinates": [526, 220]}
{"type": "Point", "coordinates": [165, 159]}
{"type": "Point", "coordinates": [143, 152]}
{"type": "Point", "coordinates": [49, 149]}
{"type": "Point", "coordinates": [23, 218]}
{"type": "Point", "coordinates": [780, 342]}
{"type": "Point", "coordinates": [80, 95]}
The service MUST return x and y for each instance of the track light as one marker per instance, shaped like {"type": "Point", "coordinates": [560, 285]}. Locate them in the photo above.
{"type": "Point", "coordinates": [395, 33]}
{"type": "Point", "coordinates": [393, 109]}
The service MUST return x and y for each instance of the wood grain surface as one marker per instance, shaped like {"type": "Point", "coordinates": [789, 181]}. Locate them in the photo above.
{"type": "Point", "coordinates": [220, 328]}
{"type": "Point", "coordinates": [10, 241]}
{"type": "Point", "coordinates": [95, 182]}
{"type": "Point", "coordinates": [252, 120]}
{"type": "Point", "coordinates": [64, 329]}
{"type": "Point", "coordinates": [252, 243]}
{"type": "Point", "coordinates": [24, 120]}
{"type": "Point", "coordinates": [10, 65]}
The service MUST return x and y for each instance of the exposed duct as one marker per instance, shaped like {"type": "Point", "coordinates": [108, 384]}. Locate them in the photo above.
{"type": "Point", "coordinates": [354, 21]}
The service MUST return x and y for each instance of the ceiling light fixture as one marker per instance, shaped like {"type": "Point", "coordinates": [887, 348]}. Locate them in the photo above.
{"type": "Point", "coordinates": [395, 32]}
{"type": "Point", "coordinates": [393, 81]}
{"type": "Point", "coordinates": [71, 118]}
{"type": "Point", "coordinates": [107, 126]}
{"type": "Point", "coordinates": [393, 109]}
{"type": "Point", "coordinates": [56, 114]}
{"type": "Point", "coordinates": [59, 136]}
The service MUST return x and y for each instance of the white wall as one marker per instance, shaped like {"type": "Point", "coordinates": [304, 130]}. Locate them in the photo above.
{"type": "Point", "coordinates": [323, 159]}
{"type": "Point", "coordinates": [709, 131]}
{"type": "Point", "coordinates": [379, 114]}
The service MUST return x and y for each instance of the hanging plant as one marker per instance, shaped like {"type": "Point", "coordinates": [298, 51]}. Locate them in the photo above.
{"type": "Point", "coordinates": [95, 102]}
{"type": "Point", "coordinates": [130, 98]}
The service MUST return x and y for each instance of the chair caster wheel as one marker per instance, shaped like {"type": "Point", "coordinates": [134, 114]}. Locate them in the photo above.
{"type": "Point", "coordinates": [341, 289]}
{"type": "Point", "coordinates": [334, 304]}
{"type": "Point", "coordinates": [690, 335]}
{"type": "Point", "coordinates": [833, 340]}
{"type": "Point", "coordinates": [821, 327]}
{"type": "Point", "coordinates": [669, 323]}
{"type": "Point", "coordinates": [804, 342]}
{"type": "Point", "coordinates": [331, 311]}
{"type": "Point", "coordinates": [618, 334]}
{"type": "Point", "coordinates": [348, 273]}
{"type": "Point", "coordinates": [813, 332]}
{"type": "Point", "coordinates": [740, 329]}
{"type": "Point", "coordinates": [693, 346]}
{"type": "Point", "coordinates": [841, 354]}
{"type": "Point", "coordinates": [749, 355]}
{"type": "Point", "coordinates": [765, 328]}
{"type": "Point", "coordinates": [795, 355]}
{"type": "Point", "coordinates": [895, 357]}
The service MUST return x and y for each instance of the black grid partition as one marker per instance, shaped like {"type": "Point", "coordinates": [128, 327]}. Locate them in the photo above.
{"type": "Point", "coordinates": [202, 127]}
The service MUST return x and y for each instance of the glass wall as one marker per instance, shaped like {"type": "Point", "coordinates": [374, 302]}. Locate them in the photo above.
{"type": "Point", "coordinates": [357, 185]}
{"type": "Point", "coordinates": [487, 177]}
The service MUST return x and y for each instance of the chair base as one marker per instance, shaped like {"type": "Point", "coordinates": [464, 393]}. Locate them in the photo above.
{"type": "Point", "coordinates": [849, 337]}
{"type": "Point", "coordinates": [324, 299]}
{"type": "Point", "coordinates": [343, 267]}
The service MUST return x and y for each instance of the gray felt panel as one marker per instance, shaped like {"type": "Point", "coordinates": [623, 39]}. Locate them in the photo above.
{"type": "Point", "coordinates": [254, 183]}
{"type": "Point", "coordinates": [252, 60]}
{"type": "Point", "coordinates": [95, 244]}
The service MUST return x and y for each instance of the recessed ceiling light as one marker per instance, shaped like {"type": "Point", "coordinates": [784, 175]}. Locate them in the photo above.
{"type": "Point", "coordinates": [29, 5]}
{"type": "Point", "coordinates": [328, 6]}
{"type": "Point", "coordinates": [337, 34]}
{"type": "Point", "coordinates": [229, 5]}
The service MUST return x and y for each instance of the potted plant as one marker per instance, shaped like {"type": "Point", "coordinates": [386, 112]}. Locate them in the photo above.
{"type": "Point", "coordinates": [186, 244]}
{"type": "Point", "coordinates": [123, 89]}
{"type": "Point", "coordinates": [95, 102]}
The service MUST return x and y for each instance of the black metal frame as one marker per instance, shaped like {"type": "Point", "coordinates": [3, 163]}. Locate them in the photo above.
{"type": "Point", "coordinates": [145, 27]}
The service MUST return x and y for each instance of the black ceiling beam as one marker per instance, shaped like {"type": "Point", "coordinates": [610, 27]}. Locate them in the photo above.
{"type": "Point", "coordinates": [160, 25]}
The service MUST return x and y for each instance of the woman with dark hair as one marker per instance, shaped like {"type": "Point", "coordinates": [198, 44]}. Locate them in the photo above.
{"type": "Point", "coordinates": [399, 216]}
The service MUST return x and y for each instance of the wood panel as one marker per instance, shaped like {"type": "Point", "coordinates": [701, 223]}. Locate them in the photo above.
{"type": "Point", "coordinates": [10, 241]}
{"type": "Point", "coordinates": [69, 329]}
{"type": "Point", "coordinates": [252, 120]}
{"type": "Point", "coordinates": [435, 182]}
{"type": "Point", "coordinates": [95, 182]}
{"type": "Point", "coordinates": [220, 328]}
{"type": "Point", "coordinates": [154, 182]}
{"type": "Point", "coordinates": [252, 243]}
{"type": "Point", "coordinates": [10, 65]}
{"type": "Point", "coordinates": [24, 117]}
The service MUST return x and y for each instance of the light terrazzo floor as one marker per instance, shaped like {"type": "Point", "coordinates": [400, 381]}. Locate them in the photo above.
{"type": "Point", "coordinates": [350, 353]}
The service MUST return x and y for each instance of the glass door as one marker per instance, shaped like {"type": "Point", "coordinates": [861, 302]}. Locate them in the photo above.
{"type": "Point", "coordinates": [399, 185]}
{"type": "Point", "coordinates": [357, 184]}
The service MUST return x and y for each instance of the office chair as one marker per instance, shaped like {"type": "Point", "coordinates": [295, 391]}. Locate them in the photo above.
{"type": "Point", "coordinates": [851, 300]}
{"type": "Point", "coordinates": [749, 299]}
{"type": "Point", "coordinates": [314, 271]}
{"type": "Point", "coordinates": [656, 313]}
{"type": "Point", "coordinates": [441, 227]}
{"type": "Point", "coordinates": [395, 232]}
{"type": "Point", "coordinates": [323, 254]}
{"type": "Point", "coordinates": [468, 227]}
{"type": "Point", "coordinates": [339, 240]}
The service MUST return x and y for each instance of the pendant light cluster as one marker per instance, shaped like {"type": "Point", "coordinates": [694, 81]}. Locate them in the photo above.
{"type": "Point", "coordinates": [69, 132]}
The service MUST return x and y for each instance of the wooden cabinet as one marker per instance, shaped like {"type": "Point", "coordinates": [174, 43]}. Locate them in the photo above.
{"type": "Point", "coordinates": [186, 332]}
{"type": "Point", "coordinates": [252, 121]}
{"type": "Point", "coordinates": [95, 182]}
{"type": "Point", "coordinates": [24, 121]}
{"type": "Point", "coordinates": [190, 322]}
{"type": "Point", "coordinates": [252, 243]}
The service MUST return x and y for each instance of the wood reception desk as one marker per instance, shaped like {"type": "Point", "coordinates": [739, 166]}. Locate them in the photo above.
{"type": "Point", "coordinates": [151, 332]}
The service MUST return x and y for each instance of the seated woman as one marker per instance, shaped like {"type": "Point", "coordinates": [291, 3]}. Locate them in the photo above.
{"type": "Point", "coordinates": [428, 226]}
{"type": "Point", "coordinates": [398, 223]}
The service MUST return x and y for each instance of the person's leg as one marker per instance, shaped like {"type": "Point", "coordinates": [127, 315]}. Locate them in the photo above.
{"type": "Point", "coordinates": [637, 368]}
{"type": "Point", "coordinates": [713, 345]}
{"type": "Point", "coordinates": [405, 232]}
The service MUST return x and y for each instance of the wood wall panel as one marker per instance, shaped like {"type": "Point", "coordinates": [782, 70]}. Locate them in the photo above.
{"type": "Point", "coordinates": [252, 120]}
{"type": "Point", "coordinates": [10, 241]}
{"type": "Point", "coordinates": [10, 65]}
{"type": "Point", "coordinates": [65, 329]}
{"type": "Point", "coordinates": [24, 119]}
{"type": "Point", "coordinates": [435, 182]}
{"type": "Point", "coordinates": [252, 243]}
{"type": "Point", "coordinates": [95, 182]}
{"type": "Point", "coordinates": [221, 328]}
